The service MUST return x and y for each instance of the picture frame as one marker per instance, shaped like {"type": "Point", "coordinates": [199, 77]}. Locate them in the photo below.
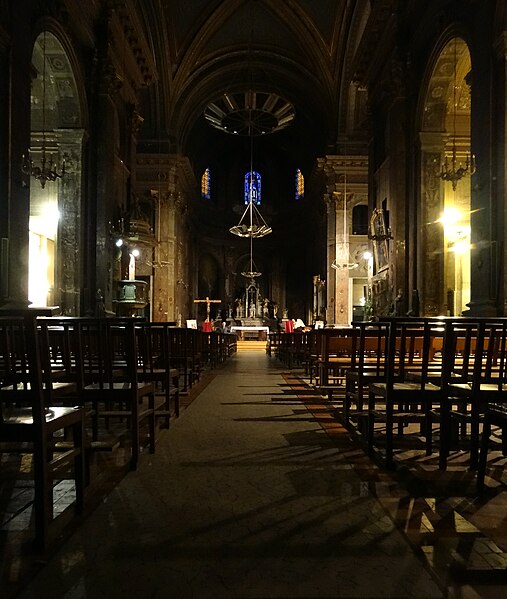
{"type": "Point", "coordinates": [380, 236]}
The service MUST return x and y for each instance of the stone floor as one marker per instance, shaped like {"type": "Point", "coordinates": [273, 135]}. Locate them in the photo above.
{"type": "Point", "coordinates": [258, 492]}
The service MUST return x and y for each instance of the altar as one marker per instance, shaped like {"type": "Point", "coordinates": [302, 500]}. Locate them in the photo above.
{"type": "Point", "coordinates": [246, 332]}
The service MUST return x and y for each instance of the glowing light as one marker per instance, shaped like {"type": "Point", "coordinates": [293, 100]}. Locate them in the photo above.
{"type": "Point", "coordinates": [450, 216]}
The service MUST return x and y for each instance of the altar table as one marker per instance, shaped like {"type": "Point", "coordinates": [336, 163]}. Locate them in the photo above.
{"type": "Point", "coordinates": [244, 330]}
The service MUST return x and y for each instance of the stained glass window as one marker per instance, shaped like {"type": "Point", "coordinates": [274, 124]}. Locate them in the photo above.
{"type": "Point", "coordinates": [253, 179]}
{"type": "Point", "coordinates": [206, 184]}
{"type": "Point", "coordinates": [300, 185]}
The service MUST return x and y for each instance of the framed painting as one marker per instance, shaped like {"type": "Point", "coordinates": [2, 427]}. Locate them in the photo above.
{"type": "Point", "coordinates": [380, 236]}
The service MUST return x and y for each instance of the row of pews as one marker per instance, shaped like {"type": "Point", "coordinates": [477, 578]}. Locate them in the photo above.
{"type": "Point", "coordinates": [444, 378]}
{"type": "Point", "coordinates": [72, 387]}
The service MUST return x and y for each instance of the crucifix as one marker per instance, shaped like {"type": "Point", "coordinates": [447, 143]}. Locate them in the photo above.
{"type": "Point", "coordinates": [208, 303]}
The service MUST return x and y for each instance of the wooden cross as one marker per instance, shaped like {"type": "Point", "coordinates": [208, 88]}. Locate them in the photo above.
{"type": "Point", "coordinates": [208, 303]}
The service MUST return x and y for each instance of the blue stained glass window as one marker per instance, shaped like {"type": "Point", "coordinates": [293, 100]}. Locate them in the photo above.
{"type": "Point", "coordinates": [206, 184]}
{"type": "Point", "coordinates": [254, 179]}
{"type": "Point", "coordinates": [300, 185]}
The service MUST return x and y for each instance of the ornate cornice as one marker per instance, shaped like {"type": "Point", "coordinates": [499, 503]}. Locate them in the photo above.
{"type": "Point", "coordinates": [336, 168]}
{"type": "Point", "coordinates": [110, 81]}
{"type": "Point", "coordinates": [132, 49]}
{"type": "Point", "coordinates": [371, 50]}
{"type": "Point", "coordinates": [169, 173]}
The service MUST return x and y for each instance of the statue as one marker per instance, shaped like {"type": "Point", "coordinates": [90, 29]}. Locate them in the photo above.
{"type": "Point", "coordinates": [275, 310]}
{"type": "Point", "coordinates": [239, 308]}
{"type": "Point", "coordinates": [265, 308]}
{"type": "Point", "coordinates": [398, 303]}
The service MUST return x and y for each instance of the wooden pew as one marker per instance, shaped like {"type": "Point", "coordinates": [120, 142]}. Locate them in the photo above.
{"type": "Point", "coordinates": [30, 415]}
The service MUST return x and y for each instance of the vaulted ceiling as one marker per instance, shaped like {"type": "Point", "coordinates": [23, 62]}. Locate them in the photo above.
{"type": "Point", "coordinates": [301, 50]}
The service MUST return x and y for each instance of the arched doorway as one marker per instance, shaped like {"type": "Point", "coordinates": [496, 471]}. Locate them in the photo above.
{"type": "Point", "coordinates": [445, 183]}
{"type": "Point", "coordinates": [56, 148]}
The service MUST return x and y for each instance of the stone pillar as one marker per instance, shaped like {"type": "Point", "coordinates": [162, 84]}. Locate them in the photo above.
{"type": "Point", "coordinates": [431, 252]}
{"type": "Point", "coordinates": [330, 256]}
{"type": "Point", "coordinates": [487, 200]}
{"type": "Point", "coordinates": [170, 181]}
{"type": "Point", "coordinates": [68, 267]}
{"type": "Point", "coordinates": [15, 188]}
{"type": "Point", "coordinates": [342, 276]}
{"type": "Point", "coordinates": [163, 279]}
{"type": "Point", "coordinates": [346, 173]}
{"type": "Point", "coordinates": [500, 166]}
{"type": "Point", "coordinates": [4, 162]}
{"type": "Point", "coordinates": [103, 211]}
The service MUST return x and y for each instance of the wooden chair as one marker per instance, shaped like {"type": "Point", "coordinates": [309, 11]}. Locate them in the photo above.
{"type": "Point", "coordinates": [495, 416]}
{"type": "Point", "coordinates": [28, 415]}
{"type": "Point", "coordinates": [211, 348]}
{"type": "Point", "coordinates": [475, 379]}
{"type": "Point", "coordinates": [368, 365]}
{"type": "Point", "coordinates": [184, 354]}
{"type": "Point", "coordinates": [154, 366]}
{"type": "Point", "coordinates": [401, 397]}
{"type": "Point", "coordinates": [335, 359]}
{"type": "Point", "coordinates": [313, 348]}
{"type": "Point", "coordinates": [111, 381]}
{"type": "Point", "coordinates": [296, 350]}
{"type": "Point", "coordinates": [273, 343]}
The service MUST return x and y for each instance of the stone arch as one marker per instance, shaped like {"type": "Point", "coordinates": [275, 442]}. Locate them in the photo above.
{"type": "Point", "coordinates": [56, 124]}
{"type": "Point", "coordinates": [445, 126]}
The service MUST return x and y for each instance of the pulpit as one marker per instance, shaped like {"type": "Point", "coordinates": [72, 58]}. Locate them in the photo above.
{"type": "Point", "coordinates": [132, 295]}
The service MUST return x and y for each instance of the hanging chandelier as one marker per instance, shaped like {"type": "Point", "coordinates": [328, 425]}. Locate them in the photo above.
{"type": "Point", "coordinates": [251, 224]}
{"type": "Point", "coordinates": [342, 259]}
{"type": "Point", "coordinates": [450, 170]}
{"type": "Point", "coordinates": [251, 274]}
{"type": "Point", "coordinates": [47, 169]}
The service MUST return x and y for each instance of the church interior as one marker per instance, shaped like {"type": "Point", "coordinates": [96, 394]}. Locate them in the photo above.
{"type": "Point", "coordinates": [128, 150]}
{"type": "Point", "coordinates": [254, 166]}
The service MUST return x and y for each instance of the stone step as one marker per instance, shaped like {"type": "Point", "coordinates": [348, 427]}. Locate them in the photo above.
{"type": "Point", "coordinates": [252, 345]}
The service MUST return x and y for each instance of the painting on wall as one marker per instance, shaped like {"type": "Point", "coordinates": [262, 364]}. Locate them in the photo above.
{"type": "Point", "coordinates": [380, 236]}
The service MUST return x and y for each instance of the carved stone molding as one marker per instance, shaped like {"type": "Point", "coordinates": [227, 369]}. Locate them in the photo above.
{"type": "Point", "coordinates": [109, 80]}
{"type": "Point", "coordinates": [432, 238]}
{"type": "Point", "coordinates": [392, 83]}
{"type": "Point", "coordinates": [136, 121]}
{"type": "Point", "coordinates": [126, 26]}
{"type": "Point", "coordinates": [330, 202]}
{"type": "Point", "coordinates": [500, 45]}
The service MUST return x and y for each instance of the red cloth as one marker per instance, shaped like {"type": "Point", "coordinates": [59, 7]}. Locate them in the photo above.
{"type": "Point", "coordinates": [207, 326]}
{"type": "Point", "coordinates": [289, 326]}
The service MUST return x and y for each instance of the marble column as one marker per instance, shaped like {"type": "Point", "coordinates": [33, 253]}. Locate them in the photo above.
{"type": "Point", "coordinates": [100, 209]}
{"type": "Point", "coordinates": [164, 285]}
{"type": "Point", "coordinates": [331, 255]}
{"type": "Point", "coordinates": [68, 268]}
{"type": "Point", "coordinates": [431, 259]}
{"type": "Point", "coordinates": [16, 189]}
{"type": "Point", "coordinates": [487, 207]}
{"type": "Point", "coordinates": [342, 276]}
{"type": "Point", "coordinates": [501, 157]}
